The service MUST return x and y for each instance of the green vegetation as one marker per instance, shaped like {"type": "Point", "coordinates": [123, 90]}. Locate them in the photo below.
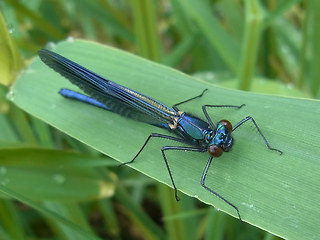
{"type": "Point", "coordinates": [59, 158]}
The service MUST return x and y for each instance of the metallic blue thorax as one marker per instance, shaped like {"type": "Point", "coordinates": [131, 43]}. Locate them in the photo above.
{"type": "Point", "coordinates": [191, 128]}
{"type": "Point", "coordinates": [199, 133]}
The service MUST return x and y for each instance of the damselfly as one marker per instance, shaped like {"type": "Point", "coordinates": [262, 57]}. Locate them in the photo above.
{"type": "Point", "coordinates": [199, 135]}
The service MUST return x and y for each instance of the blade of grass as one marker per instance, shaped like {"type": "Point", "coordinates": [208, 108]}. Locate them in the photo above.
{"type": "Point", "coordinates": [281, 7]}
{"type": "Point", "coordinates": [146, 30]}
{"type": "Point", "coordinates": [8, 135]}
{"type": "Point", "coordinates": [43, 133]}
{"type": "Point", "coordinates": [216, 221]}
{"type": "Point", "coordinates": [110, 216]}
{"type": "Point", "coordinates": [41, 22]}
{"type": "Point", "coordinates": [183, 22]}
{"type": "Point", "coordinates": [10, 59]}
{"type": "Point", "coordinates": [190, 224]}
{"type": "Point", "coordinates": [288, 41]}
{"type": "Point", "coordinates": [106, 17]}
{"type": "Point", "coordinates": [10, 219]}
{"type": "Point", "coordinates": [168, 205]}
{"type": "Point", "coordinates": [57, 175]}
{"type": "Point", "coordinates": [275, 193]}
{"type": "Point", "coordinates": [82, 234]}
{"type": "Point", "coordinates": [20, 121]}
{"type": "Point", "coordinates": [183, 48]}
{"type": "Point", "coordinates": [141, 220]}
{"type": "Point", "coordinates": [315, 49]}
{"type": "Point", "coordinates": [303, 59]}
{"type": "Point", "coordinates": [71, 212]}
{"type": "Point", "coordinates": [233, 14]}
{"type": "Point", "coordinates": [252, 33]}
{"type": "Point", "coordinates": [200, 12]}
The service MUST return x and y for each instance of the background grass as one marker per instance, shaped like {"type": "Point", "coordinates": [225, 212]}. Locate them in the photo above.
{"type": "Point", "coordinates": [268, 47]}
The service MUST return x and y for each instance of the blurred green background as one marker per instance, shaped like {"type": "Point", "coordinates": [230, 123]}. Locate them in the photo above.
{"type": "Point", "coordinates": [265, 46]}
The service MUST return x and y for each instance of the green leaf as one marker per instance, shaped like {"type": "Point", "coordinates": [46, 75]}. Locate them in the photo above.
{"type": "Point", "coordinates": [252, 33]}
{"type": "Point", "coordinates": [77, 230]}
{"type": "Point", "coordinates": [44, 174]}
{"type": "Point", "coordinates": [200, 12]}
{"type": "Point", "coordinates": [276, 193]}
{"type": "Point", "coordinates": [10, 59]}
{"type": "Point", "coordinates": [281, 7]}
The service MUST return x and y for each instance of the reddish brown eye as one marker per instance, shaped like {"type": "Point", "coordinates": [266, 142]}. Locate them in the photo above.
{"type": "Point", "coordinates": [227, 125]}
{"type": "Point", "coordinates": [215, 151]}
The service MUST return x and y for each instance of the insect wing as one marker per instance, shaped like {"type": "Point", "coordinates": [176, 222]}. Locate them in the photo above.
{"type": "Point", "coordinates": [118, 98]}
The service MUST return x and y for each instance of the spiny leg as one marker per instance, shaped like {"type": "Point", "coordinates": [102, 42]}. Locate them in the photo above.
{"type": "Point", "coordinates": [203, 179]}
{"type": "Point", "coordinates": [200, 95]}
{"type": "Point", "coordinates": [257, 127]}
{"type": "Point", "coordinates": [148, 139]}
{"type": "Point", "coordinates": [204, 110]}
{"type": "Point", "coordinates": [165, 148]}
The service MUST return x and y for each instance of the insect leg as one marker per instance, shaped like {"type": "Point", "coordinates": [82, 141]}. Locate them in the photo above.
{"type": "Point", "coordinates": [204, 110]}
{"type": "Point", "coordinates": [203, 179]}
{"type": "Point", "coordinates": [256, 125]}
{"type": "Point", "coordinates": [165, 148]}
{"type": "Point", "coordinates": [200, 95]}
{"type": "Point", "coordinates": [152, 135]}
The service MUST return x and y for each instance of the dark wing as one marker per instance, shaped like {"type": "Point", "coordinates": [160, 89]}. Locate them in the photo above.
{"type": "Point", "coordinates": [119, 99]}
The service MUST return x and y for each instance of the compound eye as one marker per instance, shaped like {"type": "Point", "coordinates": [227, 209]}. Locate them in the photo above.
{"type": "Point", "coordinates": [215, 151]}
{"type": "Point", "coordinates": [227, 125]}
